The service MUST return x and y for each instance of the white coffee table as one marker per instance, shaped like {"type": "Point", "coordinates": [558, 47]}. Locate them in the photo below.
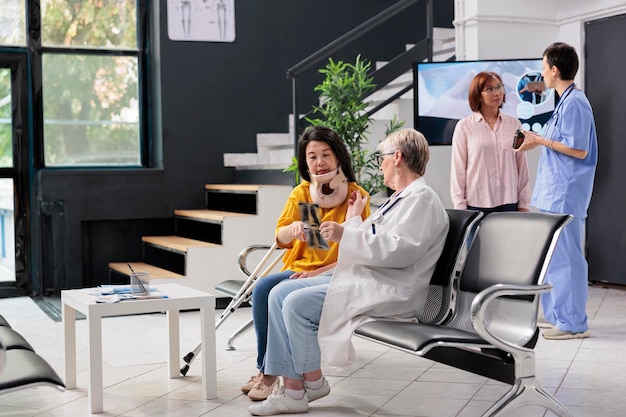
{"type": "Point", "coordinates": [179, 298]}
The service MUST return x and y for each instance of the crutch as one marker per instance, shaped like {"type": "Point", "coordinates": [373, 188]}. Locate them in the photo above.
{"type": "Point", "coordinates": [242, 295]}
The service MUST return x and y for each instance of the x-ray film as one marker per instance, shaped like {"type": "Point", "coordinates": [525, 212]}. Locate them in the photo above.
{"type": "Point", "coordinates": [310, 216]}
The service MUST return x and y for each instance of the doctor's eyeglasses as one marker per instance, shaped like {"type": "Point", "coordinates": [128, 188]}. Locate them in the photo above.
{"type": "Point", "coordinates": [380, 157]}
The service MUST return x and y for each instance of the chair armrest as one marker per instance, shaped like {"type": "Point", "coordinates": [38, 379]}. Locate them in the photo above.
{"type": "Point", "coordinates": [484, 299]}
{"type": "Point", "coordinates": [243, 256]}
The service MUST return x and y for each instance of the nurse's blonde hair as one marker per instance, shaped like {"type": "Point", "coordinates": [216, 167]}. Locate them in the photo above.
{"type": "Point", "coordinates": [412, 144]}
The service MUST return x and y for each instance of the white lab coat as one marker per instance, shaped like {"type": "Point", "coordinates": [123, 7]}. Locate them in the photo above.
{"type": "Point", "coordinates": [383, 274]}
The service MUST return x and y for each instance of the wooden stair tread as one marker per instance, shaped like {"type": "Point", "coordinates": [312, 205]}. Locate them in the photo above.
{"type": "Point", "coordinates": [212, 215]}
{"type": "Point", "coordinates": [242, 188]}
{"type": "Point", "coordinates": [178, 243]}
{"type": "Point", "coordinates": [155, 271]}
{"type": "Point", "coordinates": [245, 188]}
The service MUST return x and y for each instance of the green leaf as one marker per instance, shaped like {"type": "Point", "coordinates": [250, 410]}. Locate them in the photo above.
{"type": "Point", "coordinates": [294, 168]}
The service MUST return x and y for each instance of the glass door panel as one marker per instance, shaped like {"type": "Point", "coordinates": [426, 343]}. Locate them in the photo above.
{"type": "Point", "coordinates": [7, 192]}
{"type": "Point", "coordinates": [7, 231]}
{"type": "Point", "coordinates": [6, 137]}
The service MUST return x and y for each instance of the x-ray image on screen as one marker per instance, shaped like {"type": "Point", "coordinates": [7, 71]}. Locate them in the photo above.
{"type": "Point", "coordinates": [441, 90]}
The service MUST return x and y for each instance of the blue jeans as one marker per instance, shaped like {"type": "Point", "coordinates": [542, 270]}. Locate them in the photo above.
{"type": "Point", "coordinates": [295, 308]}
{"type": "Point", "coordinates": [260, 294]}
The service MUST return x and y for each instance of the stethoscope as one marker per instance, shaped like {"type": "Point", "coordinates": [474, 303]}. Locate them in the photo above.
{"type": "Point", "coordinates": [378, 216]}
{"type": "Point", "coordinates": [552, 121]}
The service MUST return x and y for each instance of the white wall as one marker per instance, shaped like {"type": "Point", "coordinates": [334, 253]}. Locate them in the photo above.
{"type": "Point", "coordinates": [508, 29]}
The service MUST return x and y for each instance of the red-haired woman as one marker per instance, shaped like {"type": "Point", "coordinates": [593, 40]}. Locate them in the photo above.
{"type": "Point", "coordinates": [486, 173]}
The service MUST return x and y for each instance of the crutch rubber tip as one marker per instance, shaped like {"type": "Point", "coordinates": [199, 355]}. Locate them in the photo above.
{"type": "Point", "coordinates": [188, 357]}
{"type": "Point", "coordinates": [184, 370]}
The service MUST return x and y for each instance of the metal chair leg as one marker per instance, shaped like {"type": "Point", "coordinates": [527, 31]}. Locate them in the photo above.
{"type": "Point", "coordinates": [247, 326]}
{"type": "Point", "coordinates": [526, 391]}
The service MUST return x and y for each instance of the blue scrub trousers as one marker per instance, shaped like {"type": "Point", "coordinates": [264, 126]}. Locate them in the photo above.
{"type": "Point", "coordinates": [260, 293]}
{"type": "Point", "coordinates": [295, 308]}
{"type": "Point", "coordinates": [565, 305]}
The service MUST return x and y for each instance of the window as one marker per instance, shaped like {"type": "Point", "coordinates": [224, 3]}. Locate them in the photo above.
{"type": "Point", "coordinates": [91, 110]}
{"type": "Point", "coordinates": [90, 83]}
{"type": "Point", "coordinates": [13, 22]}
{"type": "Point", "coordinates": [6, 138]}
{"type": "Point", "coordinates": [106, 24]}
{"type": "Point", "coordinates": [87, 60]}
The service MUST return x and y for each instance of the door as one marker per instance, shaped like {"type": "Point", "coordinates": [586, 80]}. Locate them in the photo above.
{"type": "Point", "coordinates": [14, 150]}
{"type": "Point", "coordinates": [606, 88]}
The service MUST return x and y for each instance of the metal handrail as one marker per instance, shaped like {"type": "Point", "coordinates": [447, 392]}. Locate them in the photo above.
{"type": "Point", "coordinates": [389, 100]}
{"type": "Point", "coordinates": [345, 39]}
{"type": "Point", "coordinates": [399, 65]}
{"type": "Point", "coordinates": [390, 71]}
{"type": "Point", "coordinates": [382, 77]}
{"type": "Point", "coordinates": [395, 96]}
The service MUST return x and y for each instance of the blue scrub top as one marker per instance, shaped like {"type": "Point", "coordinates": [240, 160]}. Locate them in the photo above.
{"type": "Point", "coordinates": [564, 184]}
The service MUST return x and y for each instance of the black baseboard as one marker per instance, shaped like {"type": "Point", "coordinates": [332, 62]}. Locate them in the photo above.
{"type": "Point", "coordinates": [52, 307]}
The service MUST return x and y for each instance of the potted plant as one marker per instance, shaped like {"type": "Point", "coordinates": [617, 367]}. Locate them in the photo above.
{"type": "Point", "coordinates": [342, 108]}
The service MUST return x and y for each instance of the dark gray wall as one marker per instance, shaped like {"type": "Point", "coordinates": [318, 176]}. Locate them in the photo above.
{"type": "Point", "coordinates": [211, 98]}
{"type": "Point", "coordinates": [606, 89]}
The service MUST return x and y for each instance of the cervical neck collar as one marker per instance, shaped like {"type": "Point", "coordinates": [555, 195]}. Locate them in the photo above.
{"type": "Point", "coordinates": [330, 189]}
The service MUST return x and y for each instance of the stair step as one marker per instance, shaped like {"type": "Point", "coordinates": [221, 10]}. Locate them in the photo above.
{"type": "Point", "coordinates": [274, 140]}
{"type": "Point", "coordinates": [209, 216]}
{"type": "Point", "coordinates": [193, 249]}
{"type": "Point", "coordinates": [175, 243]}
{"type": "Point", "coordinates": [236, 198]}
{"type": "Point", "coordinates": [155, 271]}
{"type": "Point", "coordinates": [233, 188]}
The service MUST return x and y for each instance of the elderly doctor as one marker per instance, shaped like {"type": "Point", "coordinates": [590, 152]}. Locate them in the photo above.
{"type": "Point", "coordinates": [384, 267]}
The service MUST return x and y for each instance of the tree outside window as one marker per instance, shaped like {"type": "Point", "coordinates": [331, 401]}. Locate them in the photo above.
{"type": "Point", "coordinates": [90, 83]}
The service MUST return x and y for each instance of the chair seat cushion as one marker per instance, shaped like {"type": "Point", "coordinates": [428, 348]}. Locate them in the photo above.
{"type": "Point", "coordinates": [415, 336]}
{"type": "Point", "coordinates": [230, 287]}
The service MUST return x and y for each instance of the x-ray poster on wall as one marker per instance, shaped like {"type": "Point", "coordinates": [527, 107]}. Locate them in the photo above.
{"type": "Point", "coordinates": [201, 20]}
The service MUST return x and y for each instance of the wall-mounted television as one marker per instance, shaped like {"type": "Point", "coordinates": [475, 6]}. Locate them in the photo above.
{"type": "Point", "coordinates": [441, 94]}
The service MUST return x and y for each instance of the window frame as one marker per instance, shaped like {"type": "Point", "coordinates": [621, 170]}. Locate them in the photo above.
{"type": "Point", "coordinates": [142, 53]}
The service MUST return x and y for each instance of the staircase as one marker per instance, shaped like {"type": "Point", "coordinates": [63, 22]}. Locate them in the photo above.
{"type": "Point", "coordinates": [205, 249]}
{"type": "Point", "coordinates": [275, 150]}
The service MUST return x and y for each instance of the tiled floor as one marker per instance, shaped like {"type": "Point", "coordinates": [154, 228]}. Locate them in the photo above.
{"type": "Point", "coordinates": [588, 376]}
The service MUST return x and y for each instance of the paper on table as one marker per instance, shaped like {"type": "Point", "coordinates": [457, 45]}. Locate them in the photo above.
{"type": "Point", "coordinates": [111, 298]}
{"type": "Point", "coordinates": [114, 289]}
{"type": "Point", "coordinates": [115, 298]}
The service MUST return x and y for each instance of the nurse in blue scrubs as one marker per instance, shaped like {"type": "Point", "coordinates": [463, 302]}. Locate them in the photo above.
{"type": "Point", "coordinates": [564, 185]}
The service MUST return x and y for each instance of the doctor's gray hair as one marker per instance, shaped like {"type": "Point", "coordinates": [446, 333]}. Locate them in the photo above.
{"type": "Point", "coordinates": [412, 144]}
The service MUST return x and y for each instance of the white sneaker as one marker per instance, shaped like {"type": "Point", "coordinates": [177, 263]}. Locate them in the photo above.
{"type": "Point", "coordinates": [542, 323]}
{"type": "Point", "coordinates": [316, 394]}
{"type": "Point", "coordinates": [556, 334]}
{"type": "Point", "coordinates": [279, 403]}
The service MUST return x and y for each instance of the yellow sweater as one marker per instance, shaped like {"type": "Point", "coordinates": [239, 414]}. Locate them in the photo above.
{"type": "Point", "coordinates": [299, 257]}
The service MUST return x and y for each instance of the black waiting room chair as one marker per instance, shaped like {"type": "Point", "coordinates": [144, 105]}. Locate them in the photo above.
{"type": "Point", "coordinates": [494, 328]}
{"type": "Point", "coordinates": [20, 366]}
{"type": "Point", "coordinates": [440, 301]}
